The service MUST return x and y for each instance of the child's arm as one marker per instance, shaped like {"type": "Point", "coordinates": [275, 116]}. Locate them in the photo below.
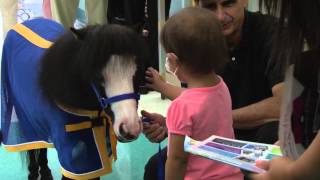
{"type": "Point", "coordinates": [156, 82]}
{"type": "Point", "coordinates": [177, 158]}
{"type": "Point", "coordinates": [306, 167]}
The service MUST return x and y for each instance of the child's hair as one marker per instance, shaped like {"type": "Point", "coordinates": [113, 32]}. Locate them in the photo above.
{"type": "Point", "coordinates": [195, 36]}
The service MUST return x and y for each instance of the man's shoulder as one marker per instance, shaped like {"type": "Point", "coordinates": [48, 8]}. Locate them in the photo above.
{"type": "Point", "coordinates": [258, 31]}
{"type": "Point", "coordinates": [258, 17]}
{"type": "Point", "coordinates": [257, 23]}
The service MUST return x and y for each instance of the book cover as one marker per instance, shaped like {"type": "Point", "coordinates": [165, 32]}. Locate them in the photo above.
{"type": "Point", "coordinates": [242, 154]}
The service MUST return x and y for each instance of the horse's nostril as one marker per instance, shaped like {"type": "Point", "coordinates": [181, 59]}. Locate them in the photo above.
{"type": "Point", "coordinates": [124, 135]}
{"type": "Point", "coordinates": [125, 139]}
{"type": "Point", "coordinates": [122, 131]}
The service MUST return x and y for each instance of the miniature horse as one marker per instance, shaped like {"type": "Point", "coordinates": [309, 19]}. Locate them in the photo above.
{"type": "Point", "coordinates": [76, 94]}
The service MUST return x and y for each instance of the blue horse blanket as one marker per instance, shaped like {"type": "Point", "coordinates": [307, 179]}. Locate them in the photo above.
{"type": "Point", "coordinates": [30, 121]}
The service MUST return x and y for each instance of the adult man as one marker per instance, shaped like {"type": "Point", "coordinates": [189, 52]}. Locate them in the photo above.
{"type": "Point", "coordinates": [255, 84]}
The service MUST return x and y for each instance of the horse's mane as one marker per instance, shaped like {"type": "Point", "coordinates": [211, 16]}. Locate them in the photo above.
{"type": "Point", "coordinates": [77, 58]}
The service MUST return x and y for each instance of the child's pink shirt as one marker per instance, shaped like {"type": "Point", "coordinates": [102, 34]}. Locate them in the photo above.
{"type": "Point", "coordinates": [200, 113]}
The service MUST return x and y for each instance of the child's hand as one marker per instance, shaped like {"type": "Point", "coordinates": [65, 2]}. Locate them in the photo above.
{"type": "Point", "coordinates": [154, 80]}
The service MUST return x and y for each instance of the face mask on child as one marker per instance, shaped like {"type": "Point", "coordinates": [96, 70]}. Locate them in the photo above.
{"type": "Point", "coordinates": [167, 65]}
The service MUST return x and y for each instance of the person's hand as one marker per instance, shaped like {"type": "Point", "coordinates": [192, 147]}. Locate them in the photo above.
{"type": "Point", "coordinates": [276, 169]}
{"type": "Point", "coordinates": [154, 80]}
{"type": "Point", "coordinates": [155, 130]}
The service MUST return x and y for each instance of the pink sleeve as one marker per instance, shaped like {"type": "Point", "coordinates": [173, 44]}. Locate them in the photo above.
{"type": "Point", "coordinates": [179, 120]}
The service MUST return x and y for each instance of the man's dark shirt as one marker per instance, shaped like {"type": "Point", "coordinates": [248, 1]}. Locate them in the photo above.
{"type": "Point", "coordinates": [128, 13]}
{"type": "Point", "coordinates": [249, 75]}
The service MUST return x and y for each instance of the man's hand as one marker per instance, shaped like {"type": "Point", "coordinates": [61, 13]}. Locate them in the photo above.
{"type": "Point", "coordinates": [154, 80]}
{"type": "Point", "coordinates": [155, 130]}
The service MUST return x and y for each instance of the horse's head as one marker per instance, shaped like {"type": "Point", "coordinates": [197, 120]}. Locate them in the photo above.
{"type": "Point", "coordinates": [102, 60]}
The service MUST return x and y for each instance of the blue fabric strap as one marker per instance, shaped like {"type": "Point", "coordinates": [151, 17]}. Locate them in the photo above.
{"type": "Point", "coordinates": [121, 97]}
{"type": "Point", "coordinates": [104, 102]}
{"type": "Point", "coordinates": [100, 98]}
{"type": "Point", "coordinates": [160, 172]}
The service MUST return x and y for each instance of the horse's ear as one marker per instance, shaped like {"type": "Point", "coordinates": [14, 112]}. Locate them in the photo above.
{"type": "Point", "coordinates": [78, 34]}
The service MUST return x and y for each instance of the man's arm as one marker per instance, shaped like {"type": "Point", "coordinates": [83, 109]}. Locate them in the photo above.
{"type": "Point", "coordinates": [261, 112]}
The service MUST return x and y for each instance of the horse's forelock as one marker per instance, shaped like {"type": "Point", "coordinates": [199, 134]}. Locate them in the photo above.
{"type": "Point", "coordinates": [102, 42]}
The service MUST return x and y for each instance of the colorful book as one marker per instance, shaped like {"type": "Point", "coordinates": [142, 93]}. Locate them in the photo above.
{"type": "Point", "coordinates": [242, 154]}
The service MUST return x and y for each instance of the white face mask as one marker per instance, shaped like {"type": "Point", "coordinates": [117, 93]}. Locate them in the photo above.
{"type": "Point", "coordinates": [167, 65]}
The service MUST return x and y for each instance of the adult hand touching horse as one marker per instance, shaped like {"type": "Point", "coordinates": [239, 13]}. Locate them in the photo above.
{"type": "Point", "coordinates": [155, 130]}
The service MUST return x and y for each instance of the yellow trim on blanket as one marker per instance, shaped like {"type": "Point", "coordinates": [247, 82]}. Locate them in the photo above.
{"type": "Point", "coordinates": [106, 161]}
{"type": "Point", "coordinates": [86, 176]}
{"type": "Point", "coordinates": [32, 36]}
{"type": "Point", "coordinates": [113, 140]}
{"type": "Point", "coordinates": [87, 124]}
{"type": "Point", "coordinates": [78, 126]}
{"type": "Point", "coordinates": [28, 146]}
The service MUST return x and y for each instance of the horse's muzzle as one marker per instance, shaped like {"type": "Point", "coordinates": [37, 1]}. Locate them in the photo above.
{"type": "Point", "coordinates": [125, 136]}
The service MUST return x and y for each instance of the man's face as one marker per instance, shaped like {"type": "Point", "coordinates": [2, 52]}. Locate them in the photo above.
{"type": "Point", "coordinates": [230, 13]}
